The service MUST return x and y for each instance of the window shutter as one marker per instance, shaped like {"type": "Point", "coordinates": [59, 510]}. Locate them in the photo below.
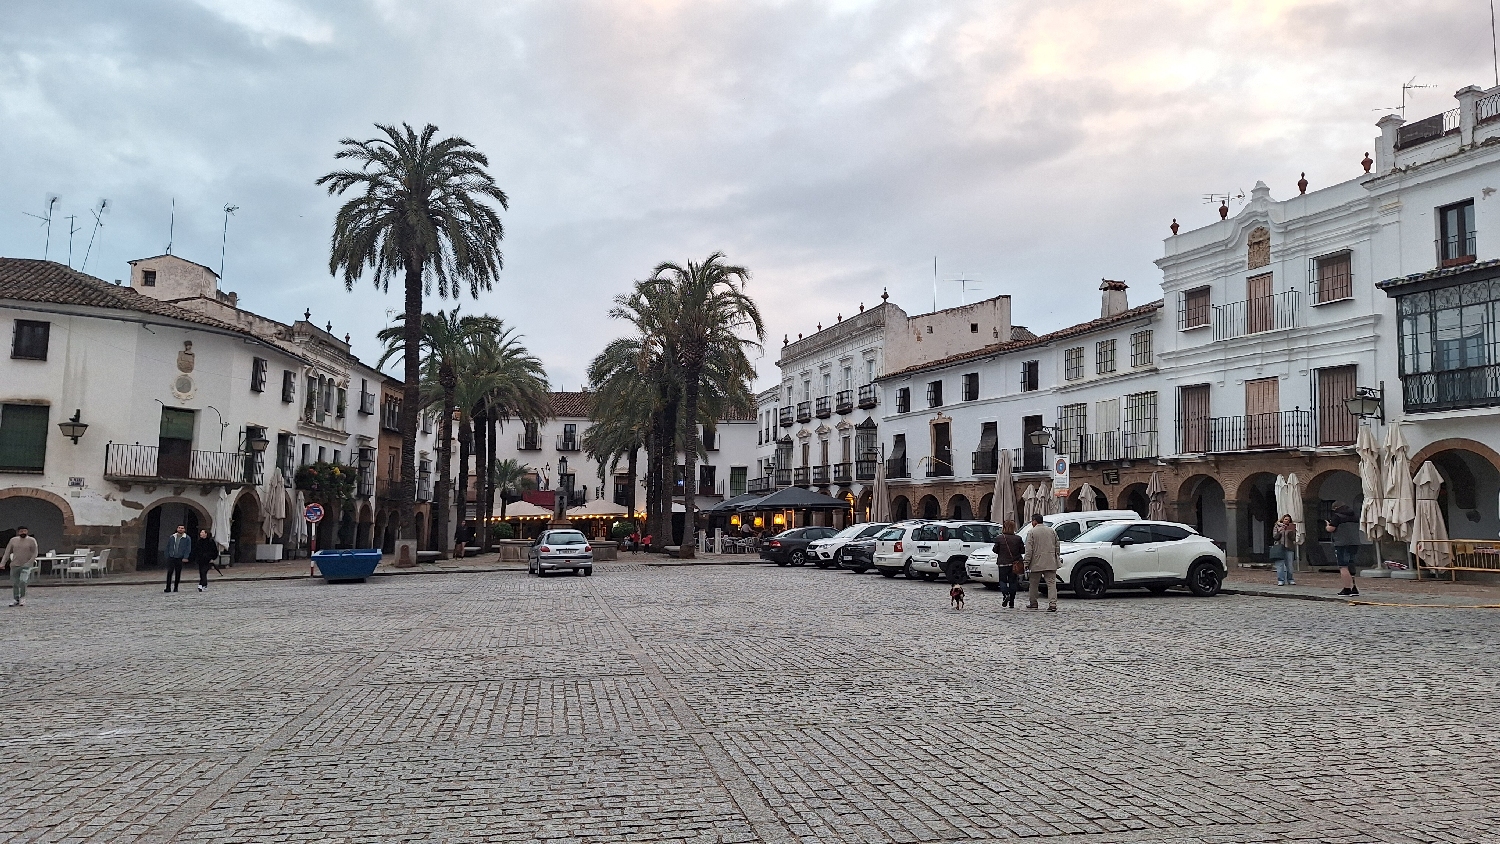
{"type": "Point", "coordinates": [23, 437]}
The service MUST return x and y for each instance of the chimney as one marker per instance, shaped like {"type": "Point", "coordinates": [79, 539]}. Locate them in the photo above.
{"type": "Point", "coordinates": [1115, 302]}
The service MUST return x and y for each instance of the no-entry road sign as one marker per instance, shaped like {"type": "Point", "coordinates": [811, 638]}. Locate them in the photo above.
{"type": "Point", "coordinates": [313, 513]}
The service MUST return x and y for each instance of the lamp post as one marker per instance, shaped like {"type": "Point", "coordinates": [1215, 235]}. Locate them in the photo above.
{"type": "Point", "coordinates": [1041, 437]}
{"type": "Point", "coordinates": [1367, 402]}
{"type": "Point", "coordinates": [75, 427]}
{"type": "Point", "coordinates": [560, 499]}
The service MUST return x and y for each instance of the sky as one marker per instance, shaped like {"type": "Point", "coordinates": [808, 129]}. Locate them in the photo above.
{"type": "Point", "coordinates": [836, 149]}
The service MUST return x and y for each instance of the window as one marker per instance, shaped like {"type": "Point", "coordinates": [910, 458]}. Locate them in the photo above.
{"type": "Point", "coordinates": [870, 371]}
{"type": "Point", "coordinates": [1193, 312]}
{"type": "Point", "coordinates": [1334, 386]}
{"type": "Point", "coordinates": [971, 386]}
{"type": "Point", "coordinates": [570, 434]}
{"type": "Point", "coordinates": [1450, 347]}
{"type": "Point", "coordinates": [848, 377]}
{"type": "Point", "coordinates": [1030, 375]}
{"type": "Point", "coordinates": [737, 478]}
{"type": "Point", "coordinates": [1259, 249]}
{"type": "Point", "coordinates": [284, 453]}
{"type": "Point", "coordinates": [1140, 348]}
{"type": "Point", "coordinates": [1104, 356]}
{"type": "Point", "coordinates": [258, 375]}
{"type": "Point", "coordinates": [343, 403]}
{"type": "Point", "coordinates": [1169, 533]}
{"type": "Point", "coordinates": [1072, 426]}
{"type": "Point", "coordinates": [706, 479]}
{"type": "Point", "coordinates": [1033, 458]}
{"type": "Point", "coordinates": [973, 328]}
{"type": "Point", "coordinates": [288, 386]}
{"type": "Point", "coordinates": [935, 394]}
{"type": "Point", "coordinates": [1073, 363]}
{"type": "Point", "coordinates": [903, 400]}
{"type": "Point", "coordinates": [23, 437]}
{"type": "Point", "coordinates": [1333, 279]}
{"type": "Point", "coordinates": [1456, 234]}
{"type": "Point", "coordinates": [336, 457]}
{"type": "Point", "coordinates": [322, 454]}
{"type": "Point", "coordinates": [306, 454]}
{"type": "Point", "coordinates": [827, 383]}
{"type": "Point", "coordinates": [1138, 431]}
{"type": "Point", "coordinates": [30, 341]}
{"type": "Point", "coordinates": [807, 390]}
{"type": "Point", "coordinates": [148, 278]}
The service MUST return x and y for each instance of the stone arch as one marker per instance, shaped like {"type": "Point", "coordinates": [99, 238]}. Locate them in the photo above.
{"type": "Point", "coordinates": [1469, 493]}
{"type": "Point", "coordinates": [900, 508]}
{"type": "Point", "coordinates": [48, 517]}
{"type": "Point", "coordinates": [1313, 487]}
{"type": "Point", "coordinates": [364, 532]}
{"type": "Point", "coordinates": [929, 508]}
{"type": "Point", "coordinates": [1455, 444]}
{"type": "Point", "coordinates": [245, 526]}
{"type": "Point", "coordinates": [959, 507]}
{"type": "Point", "coordinates": [986, 504]}
{"type": "Point", "coordinates": [863, 505]}
{"type": "Point", "coordinates": [152, 527]}
{"type": "Point", "coordinates": [51, 498]}
{"type": "Point", "coordinates": [1074, 502]}
{"type": "Point", "coordinates": [1133, 497]}
{"type": "Point", "coordinates": [1255, 512]}
{"type": "Point", "coordinates": [1200, 503]}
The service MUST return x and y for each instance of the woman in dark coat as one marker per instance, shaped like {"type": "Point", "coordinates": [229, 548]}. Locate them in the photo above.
{"type": "Point", "coordinates": [1008, 552]}
{"type": "Point", "coordinates": [205, 554]}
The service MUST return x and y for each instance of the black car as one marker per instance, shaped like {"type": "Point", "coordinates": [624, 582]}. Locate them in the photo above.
{"type": "Point", "coordinates": [790, 547]}
{"type": "Point", "coordinates": [858, 556]}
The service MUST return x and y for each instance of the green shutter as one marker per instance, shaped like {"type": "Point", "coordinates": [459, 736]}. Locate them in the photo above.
{"type": "Point", "coordinates": [23, 437]}
{"type": "Point", "coordinates": [176, 424]}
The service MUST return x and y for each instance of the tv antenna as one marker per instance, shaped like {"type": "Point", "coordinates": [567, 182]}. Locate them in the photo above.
{"type": "Point", "coordinates": [1408, 86]}
{"type": "Point", "coordinates": [98, 222]}
{"type": "Point", "coordinates": [964, 283]}
{"type": "Point", "coordinates": [172, 226]}
{"type": "Point", "coordinates": [46, 218]}
{"type": "Point", "coordinates": [224, 243]}
{"type": "Point", "coordinates": [73, 229]}
{"type": "Point", "coordinates": [1223, 201]}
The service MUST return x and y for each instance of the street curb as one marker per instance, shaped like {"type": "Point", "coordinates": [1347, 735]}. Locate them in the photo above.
{"type": "Point", "coordinates": [84, 582]}
{"type": "Point", "coordinates": [1264, 593]}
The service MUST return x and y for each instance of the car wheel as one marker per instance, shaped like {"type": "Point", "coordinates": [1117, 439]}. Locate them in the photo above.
{"type": "Point", "coordinates": [799, 558]}
{"type": "Point", "coordinates": [1090, 581]}
{"type": "Point", "coordinates": [588, 572]}
{"type": "Point", "coordinates": [860, 569]}
{"type": "Point", "coordinates": [1158, 590]}
{"type": "Point", "coordinates": [1204, 579]}
{"type": "Point", "coordinates": [906, 570]}
{"type": "Point", "coordinates": [540, 572]}
{"type": "Point", "coordinates": [887, 572]}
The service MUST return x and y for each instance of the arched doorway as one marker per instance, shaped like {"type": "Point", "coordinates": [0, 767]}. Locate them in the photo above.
{"type": "Point", "coordinates": [364, 529]}
{"type": "Point", "coordinates": [1200, 503]}
{"type": "Point", "coordinates": [161, 521]}
{"type": "Point", "coordinates": [245, 528]}
{"type": "Point", "coordinates": [1134, 497]}
{"type": "Point", "coordinates": [1074, 501]}
{"type": "Point", "coordinates": [986, 504]}
{"type": "Point", "coordinates": [41, 518]}
{"type": "Point", "coordinates": [958, 507]}
{"type": "Point", "coordinates": [900, 509]}
{"type": "Point", "coordinates": [1470, 495]}
{"type": "Point", "coordinates": [929, 508]}
{"type": "Point", "coordinates": [1255, 511]}
{"type": "Point", "coordinates": [863, 507]}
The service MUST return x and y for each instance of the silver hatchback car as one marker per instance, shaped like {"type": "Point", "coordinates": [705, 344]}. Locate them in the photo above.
{"type": "Point", "coordinates": [558, 550]}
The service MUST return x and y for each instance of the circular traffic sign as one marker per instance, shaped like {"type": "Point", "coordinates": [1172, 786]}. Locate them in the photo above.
{"type": "Point", "coordinates": [313, 513]}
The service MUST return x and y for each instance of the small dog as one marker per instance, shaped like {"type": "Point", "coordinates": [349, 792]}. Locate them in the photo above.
{"type": "Point", "coordinates": [956, 596]}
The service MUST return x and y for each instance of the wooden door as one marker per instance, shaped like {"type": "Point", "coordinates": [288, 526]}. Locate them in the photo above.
{"type": "Point", "coordinates": [1106, 430]}
{"type": "Point", "coordinates": [1260, 311]}
{"type": "Point", "coordinates": [1193, 419]}
{"type": "Point", "coordinates": [942, 449]}
{"type": "Point", "coordinates": [1336, 425]}
{"type": "Point", "coordinates": [1263, 413]}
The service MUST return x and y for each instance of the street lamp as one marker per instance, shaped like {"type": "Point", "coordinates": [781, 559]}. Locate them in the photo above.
{"type": "Point", "coordinates": [1367, 402]}
{"type": "Point", "coordinates": [257, 441]}
{"type": "Point", "coordinates": [1041, 437]}
{"type": "Point", "coordinates": [75, 427]}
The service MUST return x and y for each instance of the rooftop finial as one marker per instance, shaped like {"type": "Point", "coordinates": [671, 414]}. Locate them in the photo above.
{"type": "Point", "coordinates": [1302, 184]}
{"type": "Point", "coordinates": [329, 329]}
{"type": "Point", "coordinates": [884, 295]}
{"type": "Point", "coordinates": [307, 314]}
{"type": "Point", "coordinates": [1368, 162]}
{"type": "Point", "coordinates": [1174, 225]}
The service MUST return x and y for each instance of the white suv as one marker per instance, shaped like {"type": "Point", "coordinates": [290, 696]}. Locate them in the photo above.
{"type": "Point", "coordinates": [941, 544]}
{"type": "Point", "coordinates": [1142, 554]}
{"type": "Point", "coordinates": [894, 547]}
{"type": "Point", "coordinates": [981, 565]}
{"type": "Point", "coordinates": [825, 552]}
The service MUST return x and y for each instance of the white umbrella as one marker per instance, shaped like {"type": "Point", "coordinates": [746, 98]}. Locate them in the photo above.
{"type": "Point", "coordinates": [1003, 504]}
{"type": "Point", "coordinates": [273, 504]}
{"type": "Point", "coordinates": [1400, 508]}
{"type": "Point", "coordinates": [597, 507]}
{"type": "Point", "coordinates": [223, 512]}
{"type": "Point", "coordinates": [1294, 506]}
{"type": "Point", "coordinates": [1372, 513]}
{"type": "Point", "coordinates": [1156, 496]}
{"type": "Point", "coordinates": [1029, 503]}
{"type": "Point", "coordinates": [1088, 499]}
{"type": "Point", "coordinates": [1428, 532]}
{"type": "Point", "coordinates": [880, 506]}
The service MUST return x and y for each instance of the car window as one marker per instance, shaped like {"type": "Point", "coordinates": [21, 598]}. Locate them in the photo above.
{"type": "Point", "coordinates": [1106, 532]}
{"type": "Point", "coordinates": [849, 532]}
{"type": "Point", "coordinates": [566, 537]}
{"type": "Point", "coordinates": [925, 533]}
{"type": "Point", "coordinates": [1169, 533]}
{"type": "Point", "coordinates": [1140, 534]}
{"type": "Point", "coordinates": [869, 530]}
{"type": "Point", "coordinates": [891, 534]}
{"type": "Point", "coordinates": [974, 533]}
{"type": "Point", "coordinates": [1068, 531]}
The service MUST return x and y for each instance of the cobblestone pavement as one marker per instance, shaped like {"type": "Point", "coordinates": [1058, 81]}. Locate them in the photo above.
{"type": "Point", "coordinates": [738, 704]}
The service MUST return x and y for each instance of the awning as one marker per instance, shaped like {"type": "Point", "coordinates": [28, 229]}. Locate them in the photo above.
{"type": "Point", "coordinates": [525, 510]}
{"type": "Point", "coordinates": [598, 508]}
{"type": "Point", "coordinates": [795, 498]}
{"type": "Point", "coordinates": [733, 504]}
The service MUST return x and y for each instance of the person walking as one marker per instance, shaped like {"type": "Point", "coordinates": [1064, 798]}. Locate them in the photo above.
{"type": "Point", "coordinates": [179, 549]}
{"type": "Point", "coordinates": [1285, 536]}
{"type": "Point", "coordinates": [20, 557]}
{"type": "Point", "coordinates": [1346, 541]}
{"type": "Point", "coordinates": [1043, 559]}
{"type": "Point", "coordinates": [462, 538]}
{"type": "Point", "coordinates": [205, 553]}
{"type": "Point", "coordinates": [1010, 562]}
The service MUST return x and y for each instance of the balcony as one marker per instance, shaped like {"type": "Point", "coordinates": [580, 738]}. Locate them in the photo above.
{"type": "Point", "coordinates": [895, 467]}
{"type": "Point", "coordinates": [820, 475]}
{"type": "Point", "coordinates": [804, 411]}
{"type": "Point", "coordinates": [1456, 250]}
{"type": "Point", "coordinates": [1256, 432]}
{"type": "Point", "coordinates": [867, 397]}
{"type": "Point", "coordinates": [1110, 445]}
{"type": "Point", "coordinates": [823, 407]}
{"type": "Point", "coordinates": [566, 443]}
{"type": "Point", "coordinates": [987, 462]}
{"type": "Point", "coordinates": [762, 484]}
{"type": "Point", "coordinates": [843, 473]}
{"type": "Point", "coordinates": [783, 478]}
{"type": "Point", "coordinates": [424, 489]}
{"type": "Point", "coordinates": [147, 463]}
{"type": "Point", "coordinates": [784, 416]}
{"type": "Point", "coordinates": [528, 442]}
{"type": "Point", "coordinates": [800, 475]}
{"type": "Point", "coordinates": [939, 468]}
{"type": "Point", "coordinates": [1256, 316]}
{"type": "Point", "coordinates": [864, 470]}
{"type": "Point", "coordinates": [367, 403]}
{"type": "Point", "coordinates": [1427, 129]}
{"type": "Point", "coordinates": [1452, 389]}
{"type": "Point", "coordinates": [843, 401]}
{"type": "Point", "coordinates": [387, 489]}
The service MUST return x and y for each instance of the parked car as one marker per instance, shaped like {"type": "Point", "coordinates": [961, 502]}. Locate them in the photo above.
{"type": "Point", "coordinates": [556, 550]}
{"type": "Point", "coordinates": [858, 555]}
{"type": "Point", "coordinates": [829, 553]}
{"type": "Point", "coordinates": [941, 544]}
{"type": "Point", "coordinates": [894, 547]}
{"type": "Point", "coordinates": [981, 565]}
{"type": "Point", "coordinates": [790, 546]}
{"type": "Point", "coordinates": [1142, 554]}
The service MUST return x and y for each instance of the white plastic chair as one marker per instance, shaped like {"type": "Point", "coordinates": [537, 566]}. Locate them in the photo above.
{"type": "Point", "coordinates": [100, 565]}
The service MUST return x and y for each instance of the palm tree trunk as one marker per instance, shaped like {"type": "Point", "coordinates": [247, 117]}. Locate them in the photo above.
{"type": "Point", "coordinates": [476, 450]}
{"type": "Point", "coordinates": [690, 469]}
{"type": "Point", "coordinates": [444, 490]}
{"type": "Point", "coordinates": [492, 434]}
{"type": "Point", "coordinates": [411, 330]}
{"type": "Point", "coordinates": [630, 472]}
{"type": "Point", "coordinates": [465, 449]}
{"type": "Point", "coordinates": [654, 479]}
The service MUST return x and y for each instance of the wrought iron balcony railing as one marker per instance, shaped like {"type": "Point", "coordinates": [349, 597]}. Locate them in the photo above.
{"type": "Point", "coordinates": [1256, 316]}
{"type": "Point", "coordinates": [867, 396]}
{"type": "Point", "coordinates": [804, 411]}
{"type": "Point", "coordinates": [1476, 386]}
{"type": "Point", "coordinates": [1215, 434]}
{"type": "Point", "coordinates": [125, 462]}
{"type": "Point", "coordinates": [843, 401]}
{"type": "Point", "coordinates": [843, 473]}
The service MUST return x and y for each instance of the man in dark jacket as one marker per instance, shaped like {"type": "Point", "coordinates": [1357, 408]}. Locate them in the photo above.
{"type": "Point", "coordinates": [1344, 525]}
{"type": "Point", "coordinates": [179, 549]}
{"type": "Point", "coordinates": [1009, 554]}
{"type": "Point", "coordinates": [205, 553]}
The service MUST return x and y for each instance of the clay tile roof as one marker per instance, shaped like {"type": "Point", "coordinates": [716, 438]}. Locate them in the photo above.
{"type": "Point", "coordinates": [1018, 342]}
{"type": "Point", "coordinates": [572, 405]}
{"type": "Point", "coordinates": [30, 280]}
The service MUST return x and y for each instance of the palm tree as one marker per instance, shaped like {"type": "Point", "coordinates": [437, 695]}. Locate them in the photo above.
{"type": "Point", "coordinates": [510, 478]}
{"type": "Point", "coordinates": [424, 214]}
{"type": "Point", "coordinates": [619, 421]}
{"type": "Point", "coordinates": [510, 383]}
{"type": "Point", "coordinates": [444, 337]}
{"type": "Point", "coordinates": [706, 311]}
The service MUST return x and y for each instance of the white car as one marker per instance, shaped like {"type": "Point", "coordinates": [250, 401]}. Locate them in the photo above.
{"type": "Point", "coordinates": [825, 552]}
{"type": "Point", "coordinates": [1142, 554]}
{"type": "Point", "coordinates": [940, 544]}
{"type": "Point", "coordinates": [981, 565]}
{"type": "Point", "coordinates": [559, 550]}
{"type": "Point", "coordinates": [894, 547]}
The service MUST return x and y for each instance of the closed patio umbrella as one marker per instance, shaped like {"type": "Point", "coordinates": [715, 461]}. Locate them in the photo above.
{"type": "Point", "coordinates": [1372, 512]}
{"type": "Point", "coordinates": [1028, 503]}
{"type": "Point", "coordinates": [1088, 498]}
{"type": "Point", "coordinates": [880, 505]}
{"type": "Point", "coordinates": [1156, 498]}
{"type": "Point", "coordinates": [273, 505]}
{"type": "Point", "coordinates": [1294, 506]}
{"type": "Point", "coordinates": [1427, 525]}
{"type": "Point", "coordinates": [223, 513]}
{"type": "Point", "coordinates": [1400, 492]}
{"type": "Point", "coordinates": [1003, 504]}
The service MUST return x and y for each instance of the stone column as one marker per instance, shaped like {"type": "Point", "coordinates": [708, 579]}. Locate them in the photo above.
{"type": "Point", "coordinates": [1385, 145]}
{"type": "Point", "coordinates": [1236, 546]}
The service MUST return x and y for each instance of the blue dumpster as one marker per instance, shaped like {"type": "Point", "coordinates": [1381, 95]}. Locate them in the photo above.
{"type": "Point", "coordinates": [355, 564]}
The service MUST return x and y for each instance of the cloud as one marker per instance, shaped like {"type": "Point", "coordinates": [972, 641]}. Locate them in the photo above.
{"type": "Point", "coordinates": [835, 148]}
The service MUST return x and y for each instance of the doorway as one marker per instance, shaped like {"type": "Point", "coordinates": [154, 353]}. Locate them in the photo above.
{"type": "Point", "coordinates": [175, 443]}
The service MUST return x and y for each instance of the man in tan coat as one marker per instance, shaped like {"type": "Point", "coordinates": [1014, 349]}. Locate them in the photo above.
{"type": "Point", "coordinates": [1042, 560]}
{"type": "Point", "coordinates": [20, 556]}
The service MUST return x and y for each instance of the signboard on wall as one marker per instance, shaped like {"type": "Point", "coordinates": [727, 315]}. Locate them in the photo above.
{"type": "Point", "coordinates": [1061, 476]}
